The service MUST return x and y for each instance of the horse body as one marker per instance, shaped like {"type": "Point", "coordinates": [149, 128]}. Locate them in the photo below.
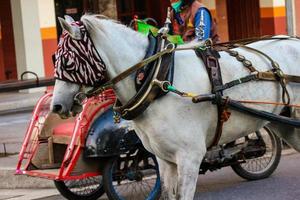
{"type": "Point", "coordinates": [190, 75]}
{"type": "Point", "coordinates": [177, 131]}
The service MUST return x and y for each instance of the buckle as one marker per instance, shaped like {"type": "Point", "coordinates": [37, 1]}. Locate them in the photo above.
{"type": "Point", "coordinates": [163, 85]}
{"type": "Point", "coordinates": [80, 98]}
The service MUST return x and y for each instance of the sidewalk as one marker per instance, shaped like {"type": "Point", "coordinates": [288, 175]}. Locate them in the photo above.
{"type": "Point", "coordinates": [8, 179]}
{"type": "Point", "coordinates": [15, 114]}
{"type": "Point", "coordinates": [18, 101]}
{"type": "Point", "coordinates": [26, 194]}
{"type": "Point", "coordinates": [10, 104]}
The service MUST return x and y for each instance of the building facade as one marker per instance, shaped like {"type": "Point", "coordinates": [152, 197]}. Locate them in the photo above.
{"type": "Point", "coordinates": [29, 29]}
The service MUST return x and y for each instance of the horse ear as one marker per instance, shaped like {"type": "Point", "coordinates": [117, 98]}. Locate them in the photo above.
{"type": "Point", "coordinates": [73, 31]}
{"type": "Point", "coordinates": [69, 19]}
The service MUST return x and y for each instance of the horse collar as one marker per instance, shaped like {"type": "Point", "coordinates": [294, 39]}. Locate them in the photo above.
{"type": "Point", "coordinates": [78, 61]}
{"type": "Point", "coordinates": [162, 69]}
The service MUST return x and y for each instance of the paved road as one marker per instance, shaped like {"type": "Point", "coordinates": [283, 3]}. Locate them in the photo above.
{"type": "Point", "coordinates": [220, 185]}
{"type": "Point", "coordinates": [225, 185]}
{"type": "Point", "coordinates": [13, 126]}
{"type": "Point", "coordinates": [12, 130]}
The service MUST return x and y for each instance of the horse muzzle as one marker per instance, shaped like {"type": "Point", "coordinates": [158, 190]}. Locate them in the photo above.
{"type": "Point", "coordinates": [61, 110]}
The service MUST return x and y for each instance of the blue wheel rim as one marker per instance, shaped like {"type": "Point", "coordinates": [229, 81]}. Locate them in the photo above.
{"type": "Point", "coordinates": [151, 195]}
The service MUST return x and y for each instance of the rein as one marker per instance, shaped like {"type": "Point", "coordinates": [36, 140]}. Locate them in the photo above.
{"type": "Point", "coordinates": [203, 46]}
{"type": "Point", "coordinates": [143, 63]}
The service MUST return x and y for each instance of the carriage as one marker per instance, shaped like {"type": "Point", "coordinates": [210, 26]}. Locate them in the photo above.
{"type": "Point", "coordinates": [230, 150]}
{"type": "Point", "coordinates": [77, 152]}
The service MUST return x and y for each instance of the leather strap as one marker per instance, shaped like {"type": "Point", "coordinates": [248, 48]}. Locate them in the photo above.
{"type": "Point", "coordinates": [146, 61]}
{"type": "Point", "coordinates": [128, 72]}
{"type": "Point", "coordinates": [171, 49]}
{"type": "Point", "coordinates": [236, 82]}
{"type": "Point", "coordinates": [270, 76]}
{"type": "Point", "coordinates": [276, 71]}
{"type": "Point", "coordinates": [210, 59]}
{"type": "Point", "coordinates": [138, 66]}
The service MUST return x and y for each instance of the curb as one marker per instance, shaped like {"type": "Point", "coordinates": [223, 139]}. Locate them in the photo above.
{"type": "Point", "coordinates": [8, 180]}
{"type": "Point", "coordinates": [25, 194]}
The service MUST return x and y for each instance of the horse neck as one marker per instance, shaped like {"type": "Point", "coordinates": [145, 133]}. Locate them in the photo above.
{"type": "Point", "coordinates": [120, 49]}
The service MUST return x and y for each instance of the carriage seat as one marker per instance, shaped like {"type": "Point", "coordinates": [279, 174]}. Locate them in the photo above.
{"type": "Point", "coordinates": [62, 133]}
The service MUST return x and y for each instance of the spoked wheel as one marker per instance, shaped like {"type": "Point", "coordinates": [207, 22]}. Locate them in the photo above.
{"type": "Point", "coordinates": [263, 166]}
{"type": "Point", "coordinates": [132, 176]}
{"type": "Point", "coordinates": [90, 188]}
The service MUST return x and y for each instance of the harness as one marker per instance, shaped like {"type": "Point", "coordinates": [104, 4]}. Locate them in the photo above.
{"type": "Point", "coordinates": [158, 82]}
{"type": "Point", "coordinates": [210, 58]}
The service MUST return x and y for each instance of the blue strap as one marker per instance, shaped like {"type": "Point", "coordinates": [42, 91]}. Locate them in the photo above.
{"type": "Point", "coordinates": [179, 19]}
{"type": "Point", "coordinates": [203, 22]}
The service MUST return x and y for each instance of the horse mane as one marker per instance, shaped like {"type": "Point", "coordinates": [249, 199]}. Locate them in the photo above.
{"type": "Point", "coordinates": [101, 22]}
{"type": "Point", "coordinates": [99, 16]}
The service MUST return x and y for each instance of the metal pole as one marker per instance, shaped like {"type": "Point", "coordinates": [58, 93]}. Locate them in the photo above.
{"type": "Point", "coordinates": [26, 84]}
{"type": "Point", "coordinates": [290, 16]}
{"type": "Point", "coordinates": [4, 146]}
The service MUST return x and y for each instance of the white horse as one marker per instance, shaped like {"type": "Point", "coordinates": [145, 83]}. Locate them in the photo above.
{"type": "Point", "coordinates": [177, 131]}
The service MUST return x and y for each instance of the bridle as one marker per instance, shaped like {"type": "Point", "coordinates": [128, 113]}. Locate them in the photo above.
{"type": "Point", "coordinates": [167, 50]}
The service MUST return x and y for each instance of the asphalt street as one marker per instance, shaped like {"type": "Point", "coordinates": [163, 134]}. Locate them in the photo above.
{"type": "Point", "coordinates": [224, 184]}
{"type": "Point", "coordinates": [12, 130]}
{"type": "Point", "coordinates": [219, 185]}
{"type": "Point", "coordinates": [13, 126]}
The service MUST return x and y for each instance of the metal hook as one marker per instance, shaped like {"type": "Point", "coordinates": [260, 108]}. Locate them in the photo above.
{"type": "Point", "coordinates": [172, 47]}
{"type": "Point", "coordinates": [30, 72]}
{"type": "Point", "coordinates": [162, 84]}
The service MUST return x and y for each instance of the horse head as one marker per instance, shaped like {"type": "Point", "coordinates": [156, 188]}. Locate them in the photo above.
{"type": "Point", "coordinates": [89, 53]}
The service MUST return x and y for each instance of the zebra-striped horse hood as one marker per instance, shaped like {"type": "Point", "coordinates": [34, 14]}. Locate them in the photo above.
{"type": "Point", "coordinates": [76, 58]}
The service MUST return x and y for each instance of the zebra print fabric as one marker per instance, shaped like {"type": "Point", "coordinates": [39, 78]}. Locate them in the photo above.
{"type": "Point", "coordinates": [78, 61]}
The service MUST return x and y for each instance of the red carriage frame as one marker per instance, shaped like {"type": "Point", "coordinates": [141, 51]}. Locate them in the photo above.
{"type": "Point", "coordinates": [73, 131]}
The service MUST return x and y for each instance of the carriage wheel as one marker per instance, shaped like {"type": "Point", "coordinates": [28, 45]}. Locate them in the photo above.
{"type": "Point", "coordinates": [261, 167]}
{"type": "Point", "coordinates": [132, 176]}
{"type": "Point", "coordinates": [90, 188]}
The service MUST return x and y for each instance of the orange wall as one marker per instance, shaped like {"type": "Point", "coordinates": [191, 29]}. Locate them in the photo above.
{"type": "Point", "coordinates": [49, 38]}
{"type": "Point", "coordinates": [8, 45]}
{"type": "Point", "coordinates": [297, 9]}
{"type": "Point", "coordinates": [273, 20]}
{"type": "Point", "coordinates": [222, 20]}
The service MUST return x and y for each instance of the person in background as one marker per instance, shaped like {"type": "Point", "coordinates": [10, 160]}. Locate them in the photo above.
{"type": "Point", "coordinates": [193, 21]}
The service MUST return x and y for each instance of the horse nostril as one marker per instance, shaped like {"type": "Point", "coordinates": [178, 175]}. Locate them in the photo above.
{"type": "Point", "coordinates": [57, 108]}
